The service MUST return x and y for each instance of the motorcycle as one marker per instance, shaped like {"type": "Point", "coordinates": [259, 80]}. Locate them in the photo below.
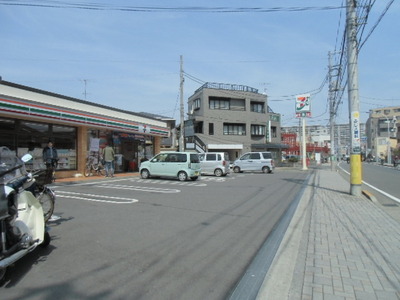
{"type": "Point", "coordinates": [22, 223]}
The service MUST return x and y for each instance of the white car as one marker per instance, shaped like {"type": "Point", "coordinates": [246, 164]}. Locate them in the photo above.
{"type": "Point", "coordinates": [182, 165]}
{"type": "Point", "coordinates": [214, 163]}
{"type": "Point", "coordinates": [254, 161]}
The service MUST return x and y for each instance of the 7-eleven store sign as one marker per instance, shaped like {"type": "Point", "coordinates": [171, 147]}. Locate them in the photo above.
{"type": "Point", "coordinates": [303, 106]}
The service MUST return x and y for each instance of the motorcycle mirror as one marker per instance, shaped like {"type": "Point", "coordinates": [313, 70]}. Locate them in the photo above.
{"type": "Point", "coordinates": [27, 157]}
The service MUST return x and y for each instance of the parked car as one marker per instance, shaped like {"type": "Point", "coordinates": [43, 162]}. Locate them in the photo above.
{"type": "Point", "coordinates": [182, 165]}
{"type": "Point", "coordinates": [214, 163]}
{"type": "Point", "coordinates": [254, 161]}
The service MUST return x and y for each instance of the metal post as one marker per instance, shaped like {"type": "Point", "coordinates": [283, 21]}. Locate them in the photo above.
{"type": "Point", "coordinates": [389, 155]}
{"type": "Point", "coordinates": [304, 150]}
{"type": "Point", "coordinates": [352, 60]}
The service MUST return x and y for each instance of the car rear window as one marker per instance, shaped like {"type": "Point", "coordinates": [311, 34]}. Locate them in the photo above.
{"type": "Point", "coordinates": [194, 158]}
{"type": "Point", "coordinates": [211, 156]}
{"type": "Point", "coordinates": [267, 155]}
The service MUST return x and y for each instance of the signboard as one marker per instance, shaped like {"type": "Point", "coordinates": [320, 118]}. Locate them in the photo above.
{"type": "Point", "coordinates": [355, 133]}
{"type": "Point", "coordinates": [303, 106]}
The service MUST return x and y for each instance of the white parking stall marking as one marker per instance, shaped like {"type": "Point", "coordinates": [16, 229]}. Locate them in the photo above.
{"type": "Point", "coordinates": [186, 183]}
{"type": "Point", "coordinates": [140, 188]}
{"type": "Point", "coordinates": [95, 183]}
{"type": "Point", "coordinates": [82, 196]}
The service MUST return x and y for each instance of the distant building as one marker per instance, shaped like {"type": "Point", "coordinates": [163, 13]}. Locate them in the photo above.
{"type": "Point", "coordinates": [382, 127]}
{"type": "Point", "coordinates": [232, 118]}
{"type": "Point", "coordinates": [319, 136]}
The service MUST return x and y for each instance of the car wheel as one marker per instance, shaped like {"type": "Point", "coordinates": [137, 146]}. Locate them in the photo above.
{"type": "Point", "coordinates": [236, 169]}
{"type": "Point", "coordinates": [145, 174]}
{"type": "Point", "coordinates": [218, 172]}
{"type": "Point", "coordinates": [182, 176]}
{"type": "Point", "coordinates": [266, 170]}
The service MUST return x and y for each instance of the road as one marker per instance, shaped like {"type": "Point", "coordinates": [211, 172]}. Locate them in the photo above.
{"type": "Point", "coordinates": [128, 238]}
{"type": "Point", "coordinates": [383, 183]}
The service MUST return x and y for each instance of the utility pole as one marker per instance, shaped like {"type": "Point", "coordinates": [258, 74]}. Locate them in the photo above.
{"type": "Point", "coordinates": [331, 113]}
{"type": "Point", "coordinates": [182, 124]}
{"type": "Point", "coordinates": [354, 111]}
{"type": "Point", "coordinates": [332, 89]}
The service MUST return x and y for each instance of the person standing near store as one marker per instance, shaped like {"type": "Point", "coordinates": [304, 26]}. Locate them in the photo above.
{"type": "Point", "coordinates": [108, 156]}
{"type": "Point", "coordinates": [50, 158]}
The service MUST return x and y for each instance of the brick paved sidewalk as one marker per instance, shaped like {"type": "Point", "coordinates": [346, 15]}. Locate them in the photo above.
{"type": "Point", "coordinates": [337, 246]}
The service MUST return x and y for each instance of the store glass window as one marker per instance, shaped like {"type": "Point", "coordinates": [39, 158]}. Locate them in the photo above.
{"type": "Point", "coordinates": [7, 124]}
{"type": "Point", "coordinates": [31, 137]}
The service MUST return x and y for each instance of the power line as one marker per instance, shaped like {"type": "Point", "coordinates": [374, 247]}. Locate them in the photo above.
{"type": "Point", "coordinates": [193, 9]}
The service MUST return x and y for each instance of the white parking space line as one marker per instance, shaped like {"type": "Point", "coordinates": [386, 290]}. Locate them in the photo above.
{"type": "Point", "coordinates": [169, 182]}
{"type": "Point", "coordinates": [96, 182]}
{"type": "Point", "coordinates": [139, 188]}
{"type": "Point", "coordinates": [82, 196]}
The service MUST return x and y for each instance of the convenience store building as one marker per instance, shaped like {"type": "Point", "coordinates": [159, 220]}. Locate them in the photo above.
{"type": "Point", "coordinates": [79, 129]}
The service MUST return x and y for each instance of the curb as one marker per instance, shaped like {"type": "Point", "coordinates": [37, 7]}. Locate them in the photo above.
{"type": "Point", "coordinates": [370, 196]}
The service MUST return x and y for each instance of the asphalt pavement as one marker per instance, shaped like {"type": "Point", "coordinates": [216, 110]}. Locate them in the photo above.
{"type": "Point", "coordinates": [337, 246]}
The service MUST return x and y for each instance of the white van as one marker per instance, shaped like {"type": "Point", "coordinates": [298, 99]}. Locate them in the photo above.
{"type": "Point", "coordinates": [214, 163]}
{"type": "Point", "coordinates": [254, 161]}
{"type": "Point", "coordinates": [182, 165]}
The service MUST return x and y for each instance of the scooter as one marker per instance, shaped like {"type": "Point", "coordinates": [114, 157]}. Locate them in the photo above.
{"type": "Point", "coordinates": [22, 223]}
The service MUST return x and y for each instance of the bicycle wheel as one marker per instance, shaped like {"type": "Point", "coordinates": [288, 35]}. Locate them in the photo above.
{"type": "Point", "coordinates": [101, 171]}
{"type": "Point", "coordinates": [87, 171]}
{"type": "Point", "coordinates": [47, 199]}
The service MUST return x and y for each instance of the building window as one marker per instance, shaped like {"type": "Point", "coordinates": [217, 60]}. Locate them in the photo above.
{"type": "Point", "coordinates": [31, 137]}
{"type": "Point", "coordinates": [196, 104]}
{"type": "Point", "coordinates": [234, 129]}
{"type": "Point", "coordinates": [274, 132]}
{"type": "Point", "coordinates": [219, 104]}
{"type": "Point", "coordinates": [257, 130]}
{"type": "Point", "coordinates": [211, 128]}
{"type": "Point", "coordinates": [198, 127]}
{"type": "Point", "coordinates": [257, 107]}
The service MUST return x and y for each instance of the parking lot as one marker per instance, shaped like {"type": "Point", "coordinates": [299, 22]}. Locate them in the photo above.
{"type": "Point", "coordinates": [129, 238]}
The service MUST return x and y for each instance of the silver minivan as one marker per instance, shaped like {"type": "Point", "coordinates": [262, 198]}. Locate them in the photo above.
{"type": "Point", "coordinates": [182, 165]}
{"type": "Point", "coordinates": [214, 163]}
{"type": "Point", "coordinates": [254, 161]}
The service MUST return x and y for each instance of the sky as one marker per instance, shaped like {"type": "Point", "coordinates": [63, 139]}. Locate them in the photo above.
{"type": "Point", "coordinates": [128, 57]}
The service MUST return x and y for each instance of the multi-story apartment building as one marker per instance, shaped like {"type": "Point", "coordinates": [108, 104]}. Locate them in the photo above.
{"type": "Point", "coordinates": [382, 127]}
{"type": "Point", "coordinates": [231, 118]}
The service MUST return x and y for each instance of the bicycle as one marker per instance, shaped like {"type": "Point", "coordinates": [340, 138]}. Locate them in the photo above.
{"type": "Point", "coordinates": [94, 166]}
{"type": "Point", "coordinates": [44, 194]}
